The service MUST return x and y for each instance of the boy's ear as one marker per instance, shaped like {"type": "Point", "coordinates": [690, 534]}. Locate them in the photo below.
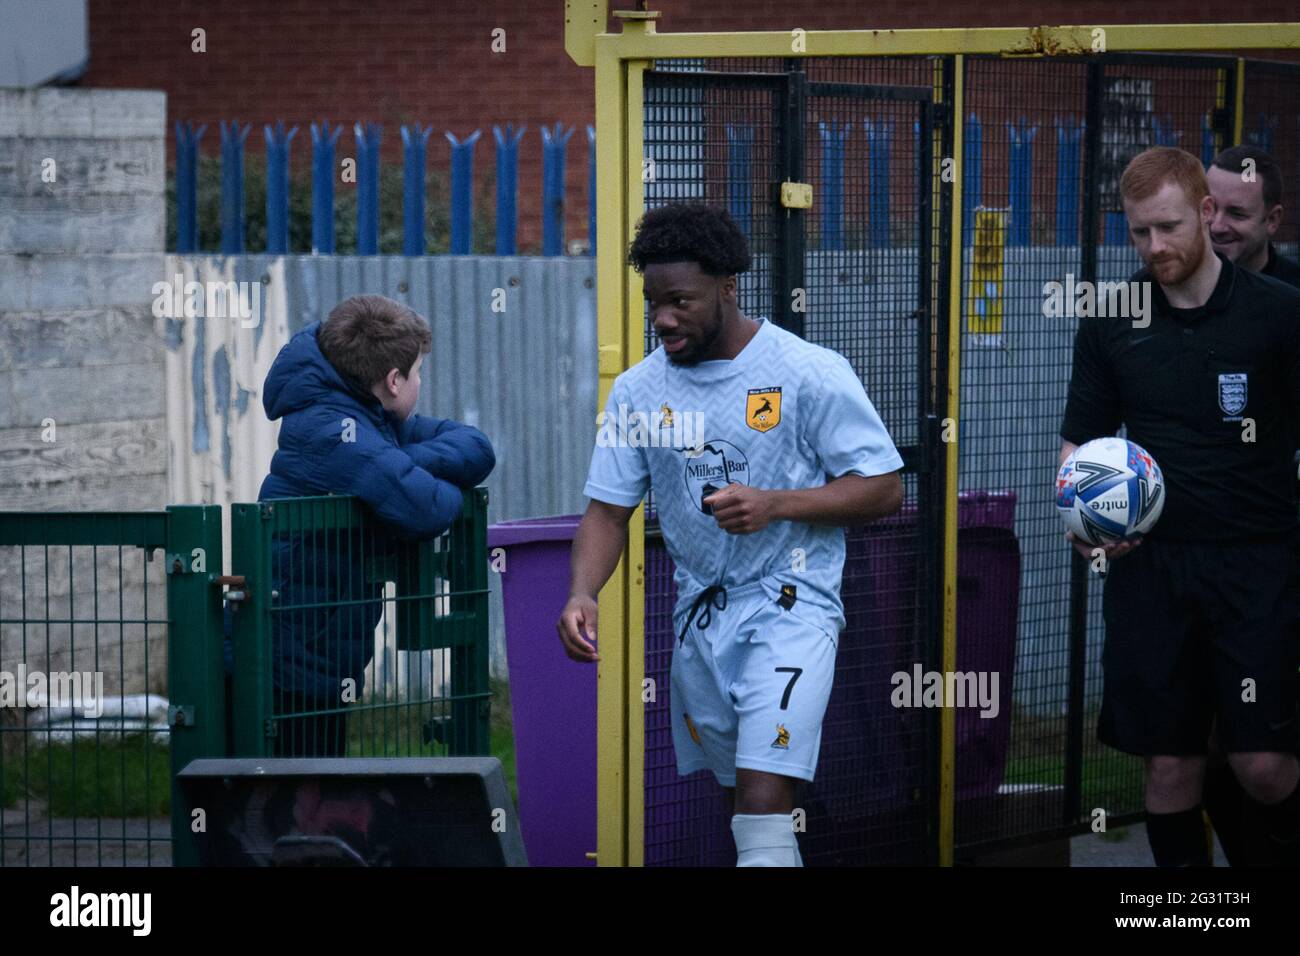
{"type": "Point", "coordinates": [387, 386]}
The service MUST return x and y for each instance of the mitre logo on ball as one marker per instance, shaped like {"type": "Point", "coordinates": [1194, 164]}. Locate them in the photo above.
{"type": "Point", "coordinates": [1108, 490]}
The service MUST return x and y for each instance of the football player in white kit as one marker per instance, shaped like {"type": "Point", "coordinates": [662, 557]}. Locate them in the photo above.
{"type": "Point", "coordinates": [760, 449]}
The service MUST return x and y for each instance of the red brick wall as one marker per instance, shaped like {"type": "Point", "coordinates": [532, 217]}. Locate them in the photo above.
{"type": "Point", "coordinates": [396, 61]}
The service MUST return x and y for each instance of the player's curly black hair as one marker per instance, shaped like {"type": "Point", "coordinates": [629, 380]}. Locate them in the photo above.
{"type": "Point", "coordinates": [690, 232]}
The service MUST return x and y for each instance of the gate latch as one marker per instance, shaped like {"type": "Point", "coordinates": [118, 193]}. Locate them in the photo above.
{"type": "Point", "coordinates": [237, 584]}
{"type": "Point", "coordinates": [796, 195]}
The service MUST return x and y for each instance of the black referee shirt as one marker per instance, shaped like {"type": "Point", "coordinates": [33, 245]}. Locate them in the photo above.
{"type": "Point", "coordinates": [1281, 268]}
{"type": "Point", "coordinates": [1183, 386]}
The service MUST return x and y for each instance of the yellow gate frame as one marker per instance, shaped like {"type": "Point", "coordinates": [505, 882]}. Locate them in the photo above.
{"type": "Point", "coordinates": [620, 61]}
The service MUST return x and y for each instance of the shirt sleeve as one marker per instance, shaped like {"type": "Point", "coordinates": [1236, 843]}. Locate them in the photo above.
{"type": "Point", "coordinates": [619, 473]}
{"type": "Point", "coordinates": [844, 430]}
{"type": "Point", "coordinates": [1092, 407]}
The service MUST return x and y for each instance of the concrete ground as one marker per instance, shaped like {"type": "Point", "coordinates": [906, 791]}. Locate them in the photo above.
{"type": "Point", "coordinates": [34, 840]}
{"type": "Point", "coordinates": [1126, 846]}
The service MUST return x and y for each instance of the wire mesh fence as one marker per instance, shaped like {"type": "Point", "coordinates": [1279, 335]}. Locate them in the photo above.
{"type": "Point", "coordinates": [1271, 120]}
{"type": "Point", "coordinates": [85, 768]}
{"type": "Point", "coordinates": [1044, 143]}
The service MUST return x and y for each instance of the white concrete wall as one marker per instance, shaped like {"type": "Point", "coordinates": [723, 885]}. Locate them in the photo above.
{"type": "Point", "coordinates": [83, 414]}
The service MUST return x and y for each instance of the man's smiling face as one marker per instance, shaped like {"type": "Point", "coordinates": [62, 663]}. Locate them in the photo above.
{"type": "Point", "coordinates": [686, 308]}
{"type": "Point", "coordinates": [1242, 224]}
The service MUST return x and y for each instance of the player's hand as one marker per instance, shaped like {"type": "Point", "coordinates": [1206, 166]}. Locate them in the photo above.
{"type": "Point", "coordinates": [577, 627]}
{"type": "Point", "coordinates": [740, 509]}
{"type": "Point", "coordinates": [1111, 551]}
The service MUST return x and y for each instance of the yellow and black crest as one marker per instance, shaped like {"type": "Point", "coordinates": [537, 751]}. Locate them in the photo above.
{"type": "Point", "coordinates": [763, 408]}
{"type": "Point", "coordinates": [782, 741]}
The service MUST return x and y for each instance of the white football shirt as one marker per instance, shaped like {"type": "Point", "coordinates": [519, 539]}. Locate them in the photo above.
{"type": "Point", "coordinates": [784, 413]}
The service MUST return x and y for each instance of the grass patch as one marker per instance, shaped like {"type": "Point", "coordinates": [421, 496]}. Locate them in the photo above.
{"type": "Point", "coordinates": [114, 776]}
{"type": "Point", "coordinates": [503, 735]}
{"type": "Point", "coordinates": [1111, 780]}
{"type": "Point", "coordinates": [130, 776]}
{"type": "Point", "coordinates": [404, 730]}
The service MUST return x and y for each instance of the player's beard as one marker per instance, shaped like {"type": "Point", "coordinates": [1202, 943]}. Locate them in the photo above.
{"type": "Point", "coordinates": [1173, 269]}
{"type": "Point", "coordinates": [709, 336]}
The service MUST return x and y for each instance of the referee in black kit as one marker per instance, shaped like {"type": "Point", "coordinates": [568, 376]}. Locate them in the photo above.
{"type": "Point", "coordinates": [1246, 185]}
{"type": "Point", "coordinates": [1201, 615]}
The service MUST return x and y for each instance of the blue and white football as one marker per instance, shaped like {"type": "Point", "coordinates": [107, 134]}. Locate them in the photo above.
{"type": "Point", "coordinates": [1109, 489]}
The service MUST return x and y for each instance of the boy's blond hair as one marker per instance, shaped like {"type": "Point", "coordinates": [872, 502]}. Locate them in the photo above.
{"type": "Point", "coordinates": [366, 336]}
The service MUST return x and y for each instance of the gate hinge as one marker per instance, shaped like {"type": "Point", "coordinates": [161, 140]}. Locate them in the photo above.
{"type": "Point", "coordinates": [180, 715]}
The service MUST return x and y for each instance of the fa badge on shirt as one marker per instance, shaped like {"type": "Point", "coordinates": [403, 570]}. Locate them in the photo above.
{"type": "Point", "coordinates": [1232, 394]}
{"type": "Point", "coordinates": [763, 408]}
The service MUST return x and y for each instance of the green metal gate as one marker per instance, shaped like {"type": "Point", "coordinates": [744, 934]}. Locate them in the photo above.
{"type": "Point", "coordinates": [87, 781]}
{"type": "Point", "coordinates": [112, 670]}
{"type": "Point", "coordinates": [324, 569]}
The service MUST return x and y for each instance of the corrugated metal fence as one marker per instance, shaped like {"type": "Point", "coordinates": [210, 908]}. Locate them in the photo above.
{"type": "Point", "coordinates": [514, 353]}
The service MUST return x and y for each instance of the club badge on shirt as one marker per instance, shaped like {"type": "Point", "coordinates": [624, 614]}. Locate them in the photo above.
{"type": "Point", "coordinates": [763, 408]}
{"type": "Point", "coordinates": [1232, 394]}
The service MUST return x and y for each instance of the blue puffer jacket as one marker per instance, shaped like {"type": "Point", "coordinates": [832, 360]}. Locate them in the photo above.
{"type": "Point", "coordinates": [409, 473]}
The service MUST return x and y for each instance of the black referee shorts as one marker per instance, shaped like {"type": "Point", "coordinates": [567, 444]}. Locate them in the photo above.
{"type": "Point", "coordinates": [1186, 624]}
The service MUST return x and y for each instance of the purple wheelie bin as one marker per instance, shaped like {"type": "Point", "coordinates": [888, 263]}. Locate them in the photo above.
{"type": "Point", "coordinates": [552, 699]}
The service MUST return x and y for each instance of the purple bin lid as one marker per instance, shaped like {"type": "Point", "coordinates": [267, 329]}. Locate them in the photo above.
{"type": "Point", "coordinates": [527, 530]}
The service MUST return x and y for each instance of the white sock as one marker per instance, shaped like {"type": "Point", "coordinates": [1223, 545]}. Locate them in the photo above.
{"type": "Point", "coordinates": [765, 840]}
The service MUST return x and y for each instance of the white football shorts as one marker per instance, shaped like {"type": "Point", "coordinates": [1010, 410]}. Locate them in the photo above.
{"type": "Point", "coordinates": [750, 684]}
